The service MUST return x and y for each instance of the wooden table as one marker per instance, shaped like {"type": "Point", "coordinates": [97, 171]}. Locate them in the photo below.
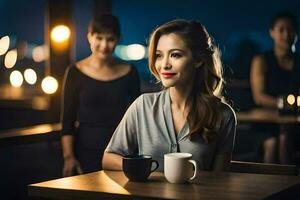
{"type": "Point", "coordinates": [208, 185]}
{"type": "Point", "coordinates": [260, 115]}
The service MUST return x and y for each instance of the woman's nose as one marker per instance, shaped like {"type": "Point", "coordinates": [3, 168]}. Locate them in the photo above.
{"type": "Point", "coordinates": [104, 43]}
{"type": "Point", "coordinates": [166, 64]}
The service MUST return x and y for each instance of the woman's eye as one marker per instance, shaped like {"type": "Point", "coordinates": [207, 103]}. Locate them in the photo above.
{"type": "Point", "coordinates": [175, 55]}
{"type": "Point", "coordinates": [111, 39]}
{"type": "Point", "coordinates": [158, 56]}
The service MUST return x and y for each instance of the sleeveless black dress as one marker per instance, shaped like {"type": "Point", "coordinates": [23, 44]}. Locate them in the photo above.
{"type": "Point", "coordinates": [280, 81]}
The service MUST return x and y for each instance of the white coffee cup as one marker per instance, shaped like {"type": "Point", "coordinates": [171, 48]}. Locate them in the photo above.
{"type": "Point", "coordinates": [178, 167]}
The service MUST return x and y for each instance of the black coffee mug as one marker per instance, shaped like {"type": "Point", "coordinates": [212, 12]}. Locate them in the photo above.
{"type": "Point", "coordinates": [138, 167]}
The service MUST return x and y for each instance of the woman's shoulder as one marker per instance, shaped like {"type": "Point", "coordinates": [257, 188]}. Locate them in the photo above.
{"type": "Point", "coordinates": [260, 58]}
{"type": "Point", "coordinates": [72, 76]}
{"type": "Point", "coordinates": [259, 62]}
{"type": "Point", "coordinates": [81, 65]}
{"type": "Point", "coordinates": [152, 98]}
{"type": "Point", "coordinates": [77, 66]}
{"type": "Point", "coordinates": [264, 56]}
{"type": "Point", "coordinates": [228, 113]}
{"type": "Point", "coordinates": [72, 70]}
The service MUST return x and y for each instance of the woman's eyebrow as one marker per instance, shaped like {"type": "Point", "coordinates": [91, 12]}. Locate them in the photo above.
{"type": "Point", "coordinates": [171, 50]}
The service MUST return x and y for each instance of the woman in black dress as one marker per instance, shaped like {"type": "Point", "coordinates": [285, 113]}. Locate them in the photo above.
{"type": "Point", "coordinates": [276, 73]}
{"type": "Point", "coordinates": [97, 92]}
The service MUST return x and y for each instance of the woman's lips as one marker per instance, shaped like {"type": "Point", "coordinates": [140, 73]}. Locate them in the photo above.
{"type": "Point", "coordinates": [104, 52]}
{"type": "Point", "coordinates": [168, 74]}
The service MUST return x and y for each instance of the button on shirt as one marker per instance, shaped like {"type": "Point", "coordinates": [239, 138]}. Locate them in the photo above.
{"type": "Point", "coordinates": [147, 128]}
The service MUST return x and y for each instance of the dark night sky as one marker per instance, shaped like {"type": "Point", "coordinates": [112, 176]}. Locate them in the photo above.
{"type": "Point", "coordinates": [232, 23]}
{"type": "Point", "coordinates": [240, 28]}
{"type": "Point", "coordinates": [23, 19]}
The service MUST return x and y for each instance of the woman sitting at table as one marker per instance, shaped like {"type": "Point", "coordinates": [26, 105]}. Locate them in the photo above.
{"type": "Point", "coordinates": [276, 73]}
{"type": "Point", "coordinates": [188, 115]}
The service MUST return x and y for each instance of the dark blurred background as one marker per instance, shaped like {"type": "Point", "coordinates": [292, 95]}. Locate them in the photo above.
{"type": "Point", "coordinates": [239, 28]}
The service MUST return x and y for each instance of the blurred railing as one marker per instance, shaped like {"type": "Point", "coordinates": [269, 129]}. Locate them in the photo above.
{"type": "Point", "coordinates": [33, 134]}
{"type": "Point", "coordinates": [20, 97]}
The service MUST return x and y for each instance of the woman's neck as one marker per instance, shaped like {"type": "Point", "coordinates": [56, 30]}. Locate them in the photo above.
{"type": "Point", "coordinates": [97, 63]}
{"type": "Point", "coordinates": [179, 97]}
{"type": "Point", "coordinates": [282, 53]}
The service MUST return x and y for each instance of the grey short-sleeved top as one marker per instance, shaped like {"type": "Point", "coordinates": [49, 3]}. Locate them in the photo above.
{"type": "Point", "coordinates": [147, 128]}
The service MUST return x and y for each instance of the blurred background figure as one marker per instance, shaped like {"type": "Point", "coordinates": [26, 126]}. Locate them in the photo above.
{"type": "Point", "coordinates": [97, 92]}
{"type": "Point", "coordinates": [275, 73]}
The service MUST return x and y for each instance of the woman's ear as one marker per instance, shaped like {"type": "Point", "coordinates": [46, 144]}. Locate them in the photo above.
{"type": "Point", "coordinates": [89, 37]}
{"type": "Point", "coordinates": [271, 33]}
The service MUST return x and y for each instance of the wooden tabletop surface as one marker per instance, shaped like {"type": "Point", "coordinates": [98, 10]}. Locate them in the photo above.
{"type": "Point", "coordinates": [261, 115]}
{"type": "Point", "coordinates": [208, 185]}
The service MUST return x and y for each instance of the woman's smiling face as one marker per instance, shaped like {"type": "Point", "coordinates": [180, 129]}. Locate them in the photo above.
{"type": "Point", "coordinates": [102, 44]}
{"type": "Point", "coordinates": [283, 33]}
{"type": "Point", "coordinates": [174, 61]}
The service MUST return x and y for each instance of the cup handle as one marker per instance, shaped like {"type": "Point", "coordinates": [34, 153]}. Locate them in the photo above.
{"type": "Point", "coordinates": [196, 169]}
{"type": "Point", "coordinates": [155, 168]}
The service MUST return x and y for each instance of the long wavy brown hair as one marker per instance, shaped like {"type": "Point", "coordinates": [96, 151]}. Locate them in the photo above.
{"type": "Point", "coordinates": [203, 116]}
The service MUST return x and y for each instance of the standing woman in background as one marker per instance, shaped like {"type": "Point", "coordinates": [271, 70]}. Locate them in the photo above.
{"type": "Point", "coordinates": [97, 92]}
{"type": "Point", "coordinates": [275, 73]}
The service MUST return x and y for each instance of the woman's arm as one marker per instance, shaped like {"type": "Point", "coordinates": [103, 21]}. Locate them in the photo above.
{"type": "Point", "coordinates": [225, 140]}
{"type": "Point", "coordinates": [124, 140]}
{"type": "Point", "coordinates": [257, 80]}
{"type": "Point", "coordinates": [68, 117]}
{"type": "Point", "coordinates": [111, 161]}
{"type": "Point", "coordinates": [70, 162]}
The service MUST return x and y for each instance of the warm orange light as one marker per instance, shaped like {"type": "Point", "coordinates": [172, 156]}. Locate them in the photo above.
{"type": "Point", "coordinates": [16, 78]}
{"type": "Point", "coordinates": [4, 44]}
{"type": "Point", "coordinates": [40, 53]}
{"type": "Point", "coordinates": [10, 58]}
{"type": "Point", "coordinates": [30, 76]}
{"type": "Point", "coordinates": [49, 85]}
{"type": "Point", "coordinates": [60, 33]}
{"type": "Point", "coordinates": [291, 99]}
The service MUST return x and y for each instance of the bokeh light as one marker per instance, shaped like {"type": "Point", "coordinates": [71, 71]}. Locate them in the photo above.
{"type": "Point", "coordinates": [10, 58]}
{"type": "Point", "coordinates": [121, 52]}
{"type": "Point", "coordinates": [49, 85]}
{"type": "Point", "coordinates": [16, 78]}
{"type": "Point", "coordinates": [291, 99]}
{"type": "Point", "coordinates": [4, 45]}
{"type": "Point", "coordinates": [30, 76]}
{"type": "Point", "coordinates": [136, 51]}
{"type": "Point", "coordinates": [40, 53]}
{"type": "Point", "coordinates": [60, 33]}
{"type": "Point", "coordinates": [131, 52]}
